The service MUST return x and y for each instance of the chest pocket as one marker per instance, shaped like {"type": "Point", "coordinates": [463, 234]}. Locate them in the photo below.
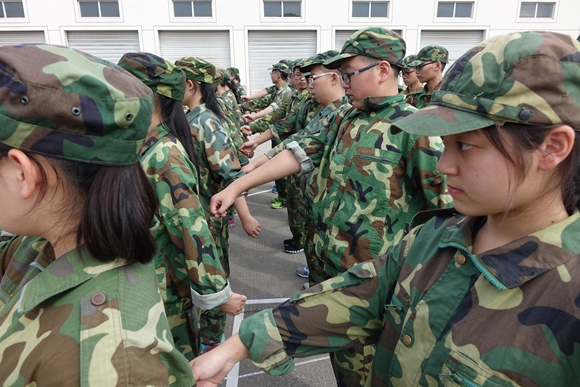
{"type": "Point", "coordinates": [460, 370]}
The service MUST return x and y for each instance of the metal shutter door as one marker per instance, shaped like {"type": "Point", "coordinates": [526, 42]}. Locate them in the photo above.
{"type": "Point", "coordinates": [456, 42]}
{"type": "Point", "coordinates": [10, 38]}
{"type": "Point", "coordinates": [108, 45]}
{"type": "Point", "coordinates": [213, 46]}
{"type": "Point", "coordinates": [268, 47]}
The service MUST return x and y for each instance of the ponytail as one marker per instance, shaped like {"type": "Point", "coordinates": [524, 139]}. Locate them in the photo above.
{"type": "Point", "coordinates": [210, 99]}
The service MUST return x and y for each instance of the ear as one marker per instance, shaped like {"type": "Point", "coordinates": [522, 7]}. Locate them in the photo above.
{"type": "Point", "coordinates": [385, 70]}
{"type": "Point", "coordinates": [556, 146]}
{"type": "Point", "coordinates": [25, 172]}
{"type": "Point", "coordinates": [189, 85]}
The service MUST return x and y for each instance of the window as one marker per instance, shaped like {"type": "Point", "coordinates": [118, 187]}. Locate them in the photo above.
{"type": "Point", "coordinates": [101, 8]}
{"type": "Point", "coordinates": [370, 9]}
{"type": "Point", "coordinates": [11, 8]}
{"type": "Point", "coordinates": [537, 10]}
{"type": "Point", "coordinates": [455, 9]}
{"type": "Point", "coordinates": [292, 8]}
{"type": "Point", "coordinates": [192, 8]}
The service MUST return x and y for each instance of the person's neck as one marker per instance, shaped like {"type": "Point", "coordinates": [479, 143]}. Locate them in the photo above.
{"type": "Point", "coordinates": [338, 94]}
{"type": "Point", "coordinates": [501, 229]}
{"type": "Point", "coordinates": [432, 84]}
{"type": "Point", "coordinates": [193, 102]}
{"type": "Point", "coordinates": [279, 83]}
{"type": "Point", "coordinates": [415, 87]}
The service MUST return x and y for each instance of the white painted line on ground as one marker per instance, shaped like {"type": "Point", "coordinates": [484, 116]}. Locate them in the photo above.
{"type": "Point", "coordinates": [258, 193]}
{"type": "Point", "coordinates": [234, 374]}
{"type": "Point", "coordinates": [296, 365]}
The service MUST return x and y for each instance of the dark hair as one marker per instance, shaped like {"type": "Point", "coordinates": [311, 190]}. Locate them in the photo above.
{"type": "Point", "coordinates": [232, 88]}
{"type": "Point", "coordinates": [284, 75]}
{"type": "Point", "coordinates": [174, 116]}
{"type": "Point", "coordinates": [209, 97]}
{"type": "Point", "coordinates": [528, 138]}
{"type": "Point", "coordinates": [118, 204]}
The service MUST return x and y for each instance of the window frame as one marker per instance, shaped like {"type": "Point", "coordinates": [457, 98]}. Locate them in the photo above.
{"type": "Point", "coordinates": [14, 19]}
{"type": "Point", "coordinates": [282, 19]}
{"type": "Point", "coordinates": [454, 19]}
{"type": "Point", "coordinates": [103, 19]}
{"type": "Point", "coordinates": [370, 19]}
{"type": "Point", "coordinates": [189, 19]}
{"type": "Point", "coordinates": [536, 19]}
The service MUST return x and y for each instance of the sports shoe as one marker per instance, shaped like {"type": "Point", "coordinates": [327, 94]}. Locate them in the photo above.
{"type": "Point", "coordinates": [291, 249]}
{"type": "Point", "coordinates": [232, 223]}
{"type": "Point", "coordinates": [274, 200]}
{"type": "Point", "coordinates": [306, 286]}
{"type": "Point", "coordinates": [303, 272]}
{"type": "Point", "coordinates": [288, 242]}
{"type": "Point", "coordinates": [277, 205]}
{"type": "Point", "coordinates": [274, 189]}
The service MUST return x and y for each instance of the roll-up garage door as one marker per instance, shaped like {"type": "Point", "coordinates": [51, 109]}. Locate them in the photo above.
{"type": "Point", "coordinates": [108, 45]}
{"type": "Point", "coordinates": [213, 46]}
{"type": "Point", "coordinates": [456, 42]}
{"type": "Point", "coordinates": [342, 36]}
{"type": "Point", "coordinates": [268, 47]}
{"type": "Point", "coordinates": [9, 38]}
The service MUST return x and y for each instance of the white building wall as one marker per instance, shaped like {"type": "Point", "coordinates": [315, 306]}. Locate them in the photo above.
{"type": "Point", "coordinates": [149, 17]}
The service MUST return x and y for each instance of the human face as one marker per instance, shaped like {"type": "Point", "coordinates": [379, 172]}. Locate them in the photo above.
{"type": "Point", "coordinates": [320, 86]}
{"type": "Point", "coordinates": [362, 84]}
{"type": "Point", "coordinates": [275, 75]}
{"type": "Point", "coordinates": [409, 77]}
{"type": "Point", "coordinates": [427, 71]}
{"type": "Point", "coordinates": [481, 180]}
{"type": "Point", "coordinates": [299, 80]}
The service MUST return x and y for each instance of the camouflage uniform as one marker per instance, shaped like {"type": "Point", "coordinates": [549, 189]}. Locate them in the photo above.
{"type": "Point", "coordinates": [74, 320]}
{"type": "Point", "coordinates": [431, 53]}
{"type": "Point", "coordinates": [218, 167]}
{"type": "Point", "coordinates": [439, 314]}
{"type": "Point", "coordinates": [262, 102]}
{"type": "Point", "coordinates": [296, 101]}
{"type": "Point", "coordinates": [188, 263]}
{"type": "Point", "coordinates": [233, 71]}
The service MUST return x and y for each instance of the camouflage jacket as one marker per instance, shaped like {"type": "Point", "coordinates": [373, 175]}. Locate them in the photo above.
{"type": "Point", "coordinates": [421, 98]}
{"type": "Point", "coordinates": [441, 316]}
{"type": "Point", "coordinates": [218, 163]}
{"type": "Point", "coordinates": [371, 182]}
{"type": "Point", "coordinates": [241, 91]}
{"type": "Point", "coordinates": [232, 125]}
{"type": "Point", "coordinates": [187, 261]}
{"type": "Point", "coordinates": [262, 102]}
{"type": "Point", "coordinates": [296, 101]}
{"type": "Point", "coordinates": [76, 321]}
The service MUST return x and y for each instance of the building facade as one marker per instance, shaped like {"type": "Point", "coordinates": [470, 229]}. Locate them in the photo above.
{"type": "Point", "coordinates": [253, 34]}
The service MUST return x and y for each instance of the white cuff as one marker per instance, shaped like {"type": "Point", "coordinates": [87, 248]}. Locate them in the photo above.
{"type": "Point", "coordinates": [210, 301]}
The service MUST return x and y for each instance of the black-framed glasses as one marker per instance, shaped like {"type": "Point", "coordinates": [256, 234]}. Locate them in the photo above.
{"type": "Point", "coordinates": [406, 72]}
{"type": "Point", "coordinates": [345, 77]}
{"type": "Point", "coordinates": [420, 67]}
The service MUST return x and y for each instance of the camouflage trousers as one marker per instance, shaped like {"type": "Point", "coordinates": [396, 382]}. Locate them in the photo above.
{"type": "Point", "coordinates": [353, 366]}
{"type": "Point", "coordinates": [282, 188]}
{"type": "Point", "coordinates": [184, 322]}
{"type": "Point", "coordinates": [213, 321]}
{"type": "Point", "coordinates": [296, 208]}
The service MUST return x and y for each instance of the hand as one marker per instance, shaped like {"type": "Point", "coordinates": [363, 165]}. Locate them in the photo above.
{"type": "Point", "coordinates": [221, 201]}
{"type": "Point", "coordinates": [245, 98]}
{"type": "Point", "coordinates": [246, 130]}
{"type": "Point", "coordinates": [251, 226]}
{"type": "Point", "coordinates": [248, 118]}
{"type": "Point", "coordinates": [248, 147]}
{"type": "Point", "coordinates": [248, 167]}
{"type": "Point", "coordinates": [235, 304]}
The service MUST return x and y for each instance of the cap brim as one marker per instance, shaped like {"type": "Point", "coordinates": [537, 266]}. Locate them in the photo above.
{"type": "Point", "coordinates": [439, 120]}
{"type": "Point", "coordinates": [415, 63]}
{"type": "Point", "coordinates": [334, 63]}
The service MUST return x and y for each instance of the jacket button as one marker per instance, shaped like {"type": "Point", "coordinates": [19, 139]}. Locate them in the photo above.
{"type": "Point", "coordinates": [460, 259]}
{"type": "Point", "coordinates": [98, 299]}
{"type": "Point", "coordinates": [407, 340]}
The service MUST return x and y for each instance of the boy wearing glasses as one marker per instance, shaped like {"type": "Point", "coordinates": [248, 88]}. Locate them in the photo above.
{"type": "Point", "coordinates": [370, 182]}
{"type": "Point", "coordinates": [412, 83]}
{"type": "Point", "coordinates": [429, 65]}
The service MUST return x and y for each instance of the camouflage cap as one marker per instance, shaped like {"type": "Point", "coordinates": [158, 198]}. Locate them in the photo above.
{"type": "Point", "coordinates": [233, 71]}
{"type": "Point", "coordinates": [197, 69]}
{"type": "Point", "coordinates": [287, 62]}
{"type": "Point", "coordinates": [320, 58]}
{"type": "Point", "coordinates": [298, 63]}
{"type": "Point", "coordinates": [157, 73]}
{"type": "Point", "coordinates": [373, 42]}
{"type": "Point", "coordinates": [430, 53]}
{"type": "Point", "coordinates": [280, 67]}
{"type": "Point", "coordinates": [220, 76]}
{"type": "Point", "coordinates": [525, 77]}
{"type": "Point", "coordinates": [409, 59]}
{"type": "Point", "coordinates": [63, 103]}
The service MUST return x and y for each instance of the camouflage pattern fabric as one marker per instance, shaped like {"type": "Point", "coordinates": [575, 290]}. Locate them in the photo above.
{"type": "Point", "coordinates": [240, 90]}
{"type": "Point", "coordinates": [219, 166]}
{"type": "Point", "coordinates": [187, 258]}
{"type": "Point", "coordinates": [157, 73]}
{"type": "Point", "coordinates": [475, 96]}
{"type": "Point", "coordinates": [50, 107]}
{"type": "Point", "coordinates": [422, 302]}
{"type": "Point", "coordinates": [262, 102]}
{"type": "Point", "coordinates": [422, 98]}
{"type": "Point", "coordinates": [284, 67]}
{"type": "Point", "coordinates": [430, 53]}
{"type": "Point", "coordinates": [232, 126]}
{"type": "Point", "coordinates": [197, 69]}
{"type": "Point", "coordinates": [296, 101]}
{"type": "Point", "coordinates": [75, 321]}
{"type": "Point", "coordinates": [373, 42]}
